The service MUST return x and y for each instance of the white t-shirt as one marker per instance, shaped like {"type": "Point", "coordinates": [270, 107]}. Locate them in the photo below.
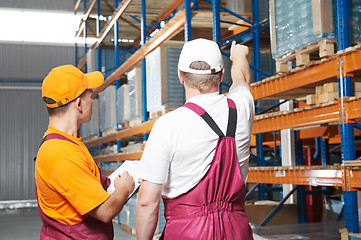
{"type": "Point", "coordinates": [181, 145]}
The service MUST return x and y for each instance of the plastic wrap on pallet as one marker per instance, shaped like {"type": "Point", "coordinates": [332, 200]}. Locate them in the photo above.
{"type": "Point", "coordinates": [161, 219]}
{"type": "Point", "coordinates": [91, 128]}
{"type": "Point", "coordinates": [135, 92]}
{"type": "Point", "coordinates": [107, 118]}
{"type": "Point", "coordinates": [127, 215]}
{"type": "Point", "coordinates": [355, 22]}
{"type": "Point", "coordinates": [239, 7]}
{"type": "Point", "coordinates": [123, 104]}
{"type": "Point", "coordinates": [163, 87]}
{"type": "Point", "coordinates": [109, 165]}
{"type": "Point", "coordinates": [296, 24]}
{"type": "Point", "coordinates": [108, 61]}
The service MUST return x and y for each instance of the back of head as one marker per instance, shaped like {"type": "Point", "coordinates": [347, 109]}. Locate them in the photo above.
{"type": "Point", "coordinates": [201, 64]}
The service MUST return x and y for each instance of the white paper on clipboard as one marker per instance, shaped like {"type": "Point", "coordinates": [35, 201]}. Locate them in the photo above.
{"type": "Point", "coordinates": [131, 166]}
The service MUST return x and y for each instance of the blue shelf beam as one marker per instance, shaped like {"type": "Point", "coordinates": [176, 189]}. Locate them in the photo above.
{"type": "Point", "coordinates": [216, 22]}
{"type": "Point", "coordinates": [346, 129]}
{"type": "Point", "coordinates": [188, 24]}
{"type": "Point", "coordinates": [144, 65]}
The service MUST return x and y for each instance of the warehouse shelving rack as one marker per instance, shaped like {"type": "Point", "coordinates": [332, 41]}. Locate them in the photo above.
{"type": "Point", "coordinates": [345, 112]}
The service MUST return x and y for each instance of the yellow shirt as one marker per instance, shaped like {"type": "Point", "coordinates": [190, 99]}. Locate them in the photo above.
{"type": "Point", "coordinates": [67, 179]}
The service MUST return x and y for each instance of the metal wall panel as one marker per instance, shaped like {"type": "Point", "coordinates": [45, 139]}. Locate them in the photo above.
{"type": "Point", "coordinates": [23, 120]}
{"type": "Point", "coordinates": [61, 5]}
{"type": "Point", "coordinates": [28, 62]}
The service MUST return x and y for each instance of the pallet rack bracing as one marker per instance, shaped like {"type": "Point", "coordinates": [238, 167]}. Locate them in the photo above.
{"type": "Point", "coordinates": [345, 111]}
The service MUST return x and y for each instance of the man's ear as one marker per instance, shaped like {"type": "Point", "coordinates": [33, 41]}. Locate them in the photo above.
{"type": "Point", "coordinates": [180, 78]}
{"type": "Point", "coordinates": [78, 104]}
{"type": "Point", "coordinates": [222, 74]}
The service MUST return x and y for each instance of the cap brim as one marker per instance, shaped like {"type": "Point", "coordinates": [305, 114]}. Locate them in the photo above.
{"type": "Point", "coordinates": [95, 79]}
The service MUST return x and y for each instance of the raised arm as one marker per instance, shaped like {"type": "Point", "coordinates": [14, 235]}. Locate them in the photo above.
{"type": "Point", "coordinates": [240, 72]}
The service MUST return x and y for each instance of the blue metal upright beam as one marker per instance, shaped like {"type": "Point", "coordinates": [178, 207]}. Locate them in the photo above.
{"type": "Point", "coordinates": [117, 64]}
{"type": "Point", "coordinates": [85, 36]}
{"type": "Point", "coordinates": [144, 67]}
{"type": "Point", "coordinates": [346, 129]}
{"type": "Point", "coordinates": [301, 193]}
{"type": "Point", "coordinates": [98, 34]}
{"type": "Point", "coordinates": [216, 22]}
{"type": "Point", "coordinates": [256, 64]}
{"type": "Point", "coordinates": [187, 24]}
{"type": "Point", "coordinates": [116, 45]}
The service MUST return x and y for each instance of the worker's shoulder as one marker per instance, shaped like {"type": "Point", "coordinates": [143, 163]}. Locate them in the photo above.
{"type": "Point", "coordinates": [240, 92]}
{"type": "Point", "coordinates": [58, 147]}
{"type": "Point", "coordinates": [172, 117]}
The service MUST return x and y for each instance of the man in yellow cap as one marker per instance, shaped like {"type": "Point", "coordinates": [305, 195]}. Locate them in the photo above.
{"type": "Point", "coordinates": [71, 191]}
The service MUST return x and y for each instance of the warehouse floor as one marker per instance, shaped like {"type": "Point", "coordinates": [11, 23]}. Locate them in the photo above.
{"type": "Point", "coordinates": [25, 224]}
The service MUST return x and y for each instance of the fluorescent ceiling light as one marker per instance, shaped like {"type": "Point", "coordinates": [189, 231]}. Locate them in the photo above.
{"type": "Point", "coordinates": [37, 26]}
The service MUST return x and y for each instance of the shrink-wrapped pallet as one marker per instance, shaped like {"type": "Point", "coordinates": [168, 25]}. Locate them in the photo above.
{"type": "Point", "coordinates": [297, 24]}
{"type": "Point", "coordinates": [163, 87]}
{"type": "Point", "coordinates": [123, 104]}
{"type": "Point", "coordinates": [107, 116]}
{"type": "Point", "coordinates": [135, 92]}
{"type": "Point", "coordinates": [91, 128]}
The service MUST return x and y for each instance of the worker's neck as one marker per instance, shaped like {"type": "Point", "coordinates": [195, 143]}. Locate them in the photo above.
{"type": "Point", "coordinates": [192, 92]}
{"type": "Point", "coordinates": [64, 123]}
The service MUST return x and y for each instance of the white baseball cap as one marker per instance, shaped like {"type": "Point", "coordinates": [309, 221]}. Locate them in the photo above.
{"type": "Point", "coordinates": [200, 50]}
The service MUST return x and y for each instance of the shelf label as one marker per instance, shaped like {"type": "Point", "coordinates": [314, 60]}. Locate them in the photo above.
{"type": "Point", "coordinates": [281, 173]}
{"type": "Point", "coordinates": [313, 182]}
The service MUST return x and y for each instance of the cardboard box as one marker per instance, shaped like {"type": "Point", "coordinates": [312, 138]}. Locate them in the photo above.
{"type": "Point", "coordinates": [257, 211]}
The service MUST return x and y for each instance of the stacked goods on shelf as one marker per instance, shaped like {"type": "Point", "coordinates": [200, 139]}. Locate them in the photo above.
{"type": "Point", "coordinates": [301, 28]}
{"type": "Point", "coordinates": [107, 116]}
{"type": "Point", "coordinates": [164, 92]}
{"type": "Point", "coordinates": [135, 96]}
{"type": "Point", "coordinates": [123, 106]}
{"type": "Point", "coordinates": [355, 12]}
{"type": "Point", "coordinates": [239, 6]}
{"type": "Point", "coordinates": [90, 129]}
{"type": "Point", "coordinates": [108, 60]}
{"type": "Point", "coordinates": [245, 6]}
{"type": "Point", "coordinates": [133, 147]}
{"type": "Point", "coordinates": [329, 92]}
{"type": "Point", "coordinates": [296, 24]}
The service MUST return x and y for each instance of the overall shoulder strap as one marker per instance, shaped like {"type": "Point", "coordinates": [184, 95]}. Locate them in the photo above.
{"type": "Point", "coordinates": [54, 136]}
{"type": "Point", "coordinates": [203, 114]}
{"type": "Point", "coordinates": [57, 136]}
{"type": "Point", "coordinates": [232, 118]}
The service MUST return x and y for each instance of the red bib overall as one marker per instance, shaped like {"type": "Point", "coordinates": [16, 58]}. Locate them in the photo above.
{"type": "Point", "coordinates": [89, 228]}
{"type": "Point", "coordinates": [214, 209]}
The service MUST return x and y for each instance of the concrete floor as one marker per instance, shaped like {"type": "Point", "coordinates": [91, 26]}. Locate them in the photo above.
{"type": "Point", "coordinates": [25, 224]}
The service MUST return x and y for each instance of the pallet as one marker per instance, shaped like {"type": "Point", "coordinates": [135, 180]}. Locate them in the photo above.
{"type": "Point", "coordinates": [124, 125]}
{"type": "Point", "coordinates": [161, 112]}
{"type": "Point", "coordinates": [127, 229]}
{"type": "Point", "coordinates": [108, 132]}
{"type": "Point", "coordinates": [345, 235]}
{"type": "Point", "coordinates": [136, 122]}
{"type": "Point", "coordinates": [90, 139]}
{"type": "Point", "coordinates": [328, 92]}
{"type": "Point", "coordinates": [321, 49]}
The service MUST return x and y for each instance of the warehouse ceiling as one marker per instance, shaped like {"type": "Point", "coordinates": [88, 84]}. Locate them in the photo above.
{"type": "Point", "coordinates": [129, 21]}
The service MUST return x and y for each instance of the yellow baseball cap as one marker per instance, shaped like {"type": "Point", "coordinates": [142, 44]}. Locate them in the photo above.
{"type": "Point", "coordinates": [65, 83]}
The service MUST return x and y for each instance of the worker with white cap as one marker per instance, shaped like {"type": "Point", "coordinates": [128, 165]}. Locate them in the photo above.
{"type": "Point", "coordinates": [196, 157]}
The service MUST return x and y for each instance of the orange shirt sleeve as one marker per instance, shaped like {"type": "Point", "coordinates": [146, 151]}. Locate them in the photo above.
{"type": "Point", "coordinates": [77, 180]}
